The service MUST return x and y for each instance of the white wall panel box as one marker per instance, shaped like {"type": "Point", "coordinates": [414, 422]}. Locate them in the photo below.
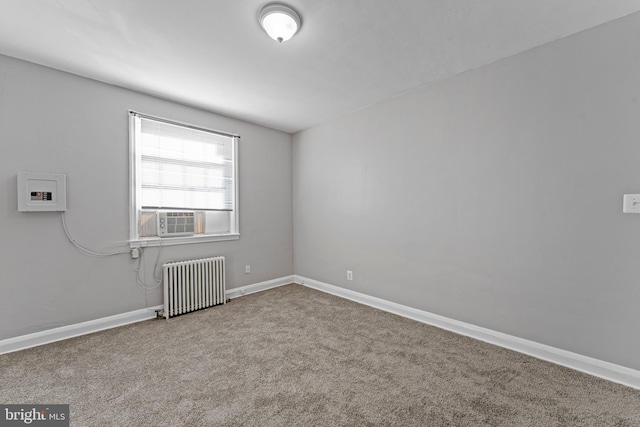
{"type": "Point", "coordinates": [38, 192]}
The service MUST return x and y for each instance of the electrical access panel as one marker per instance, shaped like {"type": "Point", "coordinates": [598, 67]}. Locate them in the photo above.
{"type": "Point", "coordinates": [39, 192]}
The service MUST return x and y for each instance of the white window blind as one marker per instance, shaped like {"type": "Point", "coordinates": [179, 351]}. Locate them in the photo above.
{"type": "Point", "coordinates": [181, 167]}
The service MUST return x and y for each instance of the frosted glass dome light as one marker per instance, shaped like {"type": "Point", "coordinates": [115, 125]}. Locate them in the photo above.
{"type": "Point", "coordinates": [279, 21]}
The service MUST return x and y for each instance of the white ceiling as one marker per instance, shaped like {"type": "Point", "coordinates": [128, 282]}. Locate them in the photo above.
{"type": "Point", "coordinates": [349, 53]}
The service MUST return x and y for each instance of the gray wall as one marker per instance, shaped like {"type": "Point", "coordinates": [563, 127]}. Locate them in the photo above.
{"type": "Point", "coordinates": [52, 121]}
{"type": "Point", "coordinates": [494, 198]}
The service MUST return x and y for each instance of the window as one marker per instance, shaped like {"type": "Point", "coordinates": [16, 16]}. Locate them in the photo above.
{"type": "Point", "coordinates": [183, 182]}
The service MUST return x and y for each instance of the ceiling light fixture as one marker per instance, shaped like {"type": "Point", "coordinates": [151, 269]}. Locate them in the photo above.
{"type": "Point", "coordinates": [279, 21]}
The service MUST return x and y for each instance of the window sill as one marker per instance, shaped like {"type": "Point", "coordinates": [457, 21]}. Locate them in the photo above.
{"type": "Point", "coordinates": [184, 240]}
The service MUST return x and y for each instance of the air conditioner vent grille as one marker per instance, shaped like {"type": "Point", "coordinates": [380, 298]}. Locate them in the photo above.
{"type": "Point", "coordinates": [176, 223]}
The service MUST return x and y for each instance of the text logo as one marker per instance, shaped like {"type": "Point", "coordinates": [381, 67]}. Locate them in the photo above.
{"type": "Point", "coordinates": [34, 415]}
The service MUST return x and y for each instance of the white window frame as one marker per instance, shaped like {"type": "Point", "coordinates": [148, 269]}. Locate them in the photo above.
{"type": "Point", "coordinates": [134, 179]}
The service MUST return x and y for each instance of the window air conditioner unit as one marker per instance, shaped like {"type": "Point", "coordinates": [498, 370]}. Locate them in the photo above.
{"type": "Point", "coordinates": [176, 223]}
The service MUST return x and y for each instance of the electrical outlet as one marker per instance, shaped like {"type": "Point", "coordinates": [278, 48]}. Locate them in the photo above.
{"type": "Point", "coordinates": [247, 269]}
{"type": "Point", "coordinates": [349, 275]}
{"type": "Point", "coordinates": [631, 203]}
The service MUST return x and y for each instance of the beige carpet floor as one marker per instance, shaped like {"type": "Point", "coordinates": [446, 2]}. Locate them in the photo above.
{"type": "Point", "coordinates": [292, 356]}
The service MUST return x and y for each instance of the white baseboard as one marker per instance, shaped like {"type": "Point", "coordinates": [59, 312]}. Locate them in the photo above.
{"type": "Point", "coordinates": [22, 342]}
{"type": "Point", "coordinates": [258, 287]}
{"type": "Point", "coordinates": [608, 371]}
